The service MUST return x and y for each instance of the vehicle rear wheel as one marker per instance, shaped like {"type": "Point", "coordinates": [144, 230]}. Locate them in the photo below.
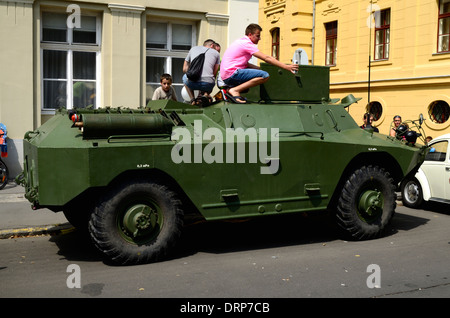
{"type": "Point", "coordinates": [138, 222]}
{"type": "Point", "coordinates": [412, 195]}
{"type": "Point", "coordinates": [366, 204]}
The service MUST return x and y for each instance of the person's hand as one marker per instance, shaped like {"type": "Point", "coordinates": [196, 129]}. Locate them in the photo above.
{"type": "Point", "coordinates": [293, 68]}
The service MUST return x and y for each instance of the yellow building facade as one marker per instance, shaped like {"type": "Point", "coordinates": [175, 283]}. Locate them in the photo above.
{"type": "Point", "coordinates": [394, 54]}
{"type": "Point", "coordinates": [65, 54]}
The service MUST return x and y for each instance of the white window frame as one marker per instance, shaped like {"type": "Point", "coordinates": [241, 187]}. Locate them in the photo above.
{"type": "Point", "coordinates": [169, 53]}
{"type": "Point", "coordinates": [70, 48]}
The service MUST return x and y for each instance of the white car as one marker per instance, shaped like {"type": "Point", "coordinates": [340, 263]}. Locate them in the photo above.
{"type": "Point", "coordinates": [432, 181]}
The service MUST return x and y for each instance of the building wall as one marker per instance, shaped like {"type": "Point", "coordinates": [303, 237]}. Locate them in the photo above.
{"type": "Point", "coordinates": [407, 83]}
{"type": "Point", "coordinates": [121, 62]}
{"type": "Point", "coordinates": [294, 18]}
{"type": "Point", "coordinates": [242, 13]}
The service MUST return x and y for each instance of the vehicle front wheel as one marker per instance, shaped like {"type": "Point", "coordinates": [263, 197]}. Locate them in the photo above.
{"type": "Point", "coordinates": [366, 204]}
{"type": "Point", "coordinates": [138, 222]}
{"type": "Point", "coordinates": [412, 195]}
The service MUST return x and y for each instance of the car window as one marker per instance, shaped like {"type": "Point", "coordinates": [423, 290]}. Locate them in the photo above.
{"type": "Point", "coordinates": [438, 151]}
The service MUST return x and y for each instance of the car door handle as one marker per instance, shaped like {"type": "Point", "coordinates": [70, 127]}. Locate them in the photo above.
{"type": "Point", "coordinates": [447, 168]}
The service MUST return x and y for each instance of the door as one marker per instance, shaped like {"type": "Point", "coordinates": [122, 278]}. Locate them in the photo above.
{"type": "Point", "coordinates": [437, 170]}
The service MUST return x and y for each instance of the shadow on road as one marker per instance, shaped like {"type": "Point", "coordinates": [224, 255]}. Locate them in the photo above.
{"type": "Point", "coordinates": [406, 222]}
{"type": "Point", "coordinates": [220, 237]}
{"type": "Point", "coordinates": [259, 233]}
{"type": "Point", "coordinates": [437, 207]}
{"type": "Point", "coordinates": [76, 246]}
{"type": "Point", "coordinates": [279, 231]}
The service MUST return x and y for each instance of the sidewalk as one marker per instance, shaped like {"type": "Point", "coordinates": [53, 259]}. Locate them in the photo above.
{"type": "Point", "coordinates": [18, 219]}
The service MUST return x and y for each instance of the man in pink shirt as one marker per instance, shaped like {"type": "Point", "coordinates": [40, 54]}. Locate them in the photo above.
{"type": "Point", "coordinates": [238, 73]}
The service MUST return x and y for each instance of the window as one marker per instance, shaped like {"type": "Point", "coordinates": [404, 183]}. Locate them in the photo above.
{"type": "Point", "coordinates": [70, 60]}
{"type": "Point", "coordinates": [167, 46]}
{"type": "Point", "coordinates": [438, 151]}
{"type": "Point", "coordinates": [331, 43]}
{"type": "Point", "coordinates": [439, 111]}
{"type": "Point", "coordinates": [276, 43]}
{"type": "Point", "coordinates": [382, 35]}
{"type": "Point", "coordinates": [376, 109]}
{"type": "Point", "coordinates": [444, 26]}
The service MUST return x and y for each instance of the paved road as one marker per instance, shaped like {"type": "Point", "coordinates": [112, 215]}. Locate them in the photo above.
{"type": "Point", "coordinates": [289, 257]}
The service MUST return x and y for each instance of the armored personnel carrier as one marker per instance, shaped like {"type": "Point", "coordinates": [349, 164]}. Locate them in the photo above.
{"type": "Point", "coordinates": [133, 176]}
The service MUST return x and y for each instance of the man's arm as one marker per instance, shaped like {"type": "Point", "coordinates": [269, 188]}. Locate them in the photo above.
{"type": "Point", "coordinates": [185, 66]}
{"type": "Point", "coordinates": [270, 60]}
{"type": "Point", "coordinates": [216, 69]}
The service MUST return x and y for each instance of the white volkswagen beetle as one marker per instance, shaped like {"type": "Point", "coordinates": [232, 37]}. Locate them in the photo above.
{"type": "Point", "coordinates": [432, 181]}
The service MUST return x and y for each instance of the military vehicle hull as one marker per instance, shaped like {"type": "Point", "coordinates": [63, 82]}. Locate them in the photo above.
{"type": "Point", "coordinates": [134, 176]}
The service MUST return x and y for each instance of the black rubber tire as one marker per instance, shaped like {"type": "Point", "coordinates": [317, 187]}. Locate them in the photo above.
{"type": "Point", "coordinates": [412, 195]}
{"type": "Point", "coordinates": [355, 223]}
{"type": "Point", "coordinates": [4, 174]}
{"type": "Point", "coordinates": [110, 235]}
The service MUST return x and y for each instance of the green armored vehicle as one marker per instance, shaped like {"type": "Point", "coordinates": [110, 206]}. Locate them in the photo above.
{"type": "Point", "coordinates": [133, 176]}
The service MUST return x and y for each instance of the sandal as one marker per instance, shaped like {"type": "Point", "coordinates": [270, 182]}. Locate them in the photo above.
{"type": "Point", "coordinates": [237, 99]}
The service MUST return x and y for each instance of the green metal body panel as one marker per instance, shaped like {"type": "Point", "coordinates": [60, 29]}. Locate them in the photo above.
{"type": "Point", "coordinates": [310, 84]}
{"type": "Point", "coordinates": [317, 142]}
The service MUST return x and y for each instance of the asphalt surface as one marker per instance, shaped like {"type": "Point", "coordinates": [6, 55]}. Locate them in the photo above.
{"type": "Point", "coordinates": [408, 269]}
{"type": "Point", "coordinates": [17, 218]}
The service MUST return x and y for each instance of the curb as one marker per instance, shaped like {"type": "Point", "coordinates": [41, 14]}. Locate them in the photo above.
{"type": "Point", "coordinates": [53, 229]}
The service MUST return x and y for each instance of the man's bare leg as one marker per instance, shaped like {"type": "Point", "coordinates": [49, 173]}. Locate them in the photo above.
{"type": "Point", "coordinates": [190, 92]}
{"type": "Point", "coordinates": [236, 91]}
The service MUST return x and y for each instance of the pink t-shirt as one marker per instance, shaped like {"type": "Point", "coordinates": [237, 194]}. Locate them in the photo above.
{"type": "Point", "coordinates": [237, 56]}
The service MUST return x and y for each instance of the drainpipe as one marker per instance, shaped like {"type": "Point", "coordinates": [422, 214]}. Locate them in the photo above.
{"type": "Point", "coordinates": [313, 32]}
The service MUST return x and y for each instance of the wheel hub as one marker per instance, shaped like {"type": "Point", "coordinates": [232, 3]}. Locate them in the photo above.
{"type": "Point", "coordinates": [371, 202]}
{"type": "Point", "coordinates": [412, 192]}
{"type": "Point", "coordinates": [139, 220]}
